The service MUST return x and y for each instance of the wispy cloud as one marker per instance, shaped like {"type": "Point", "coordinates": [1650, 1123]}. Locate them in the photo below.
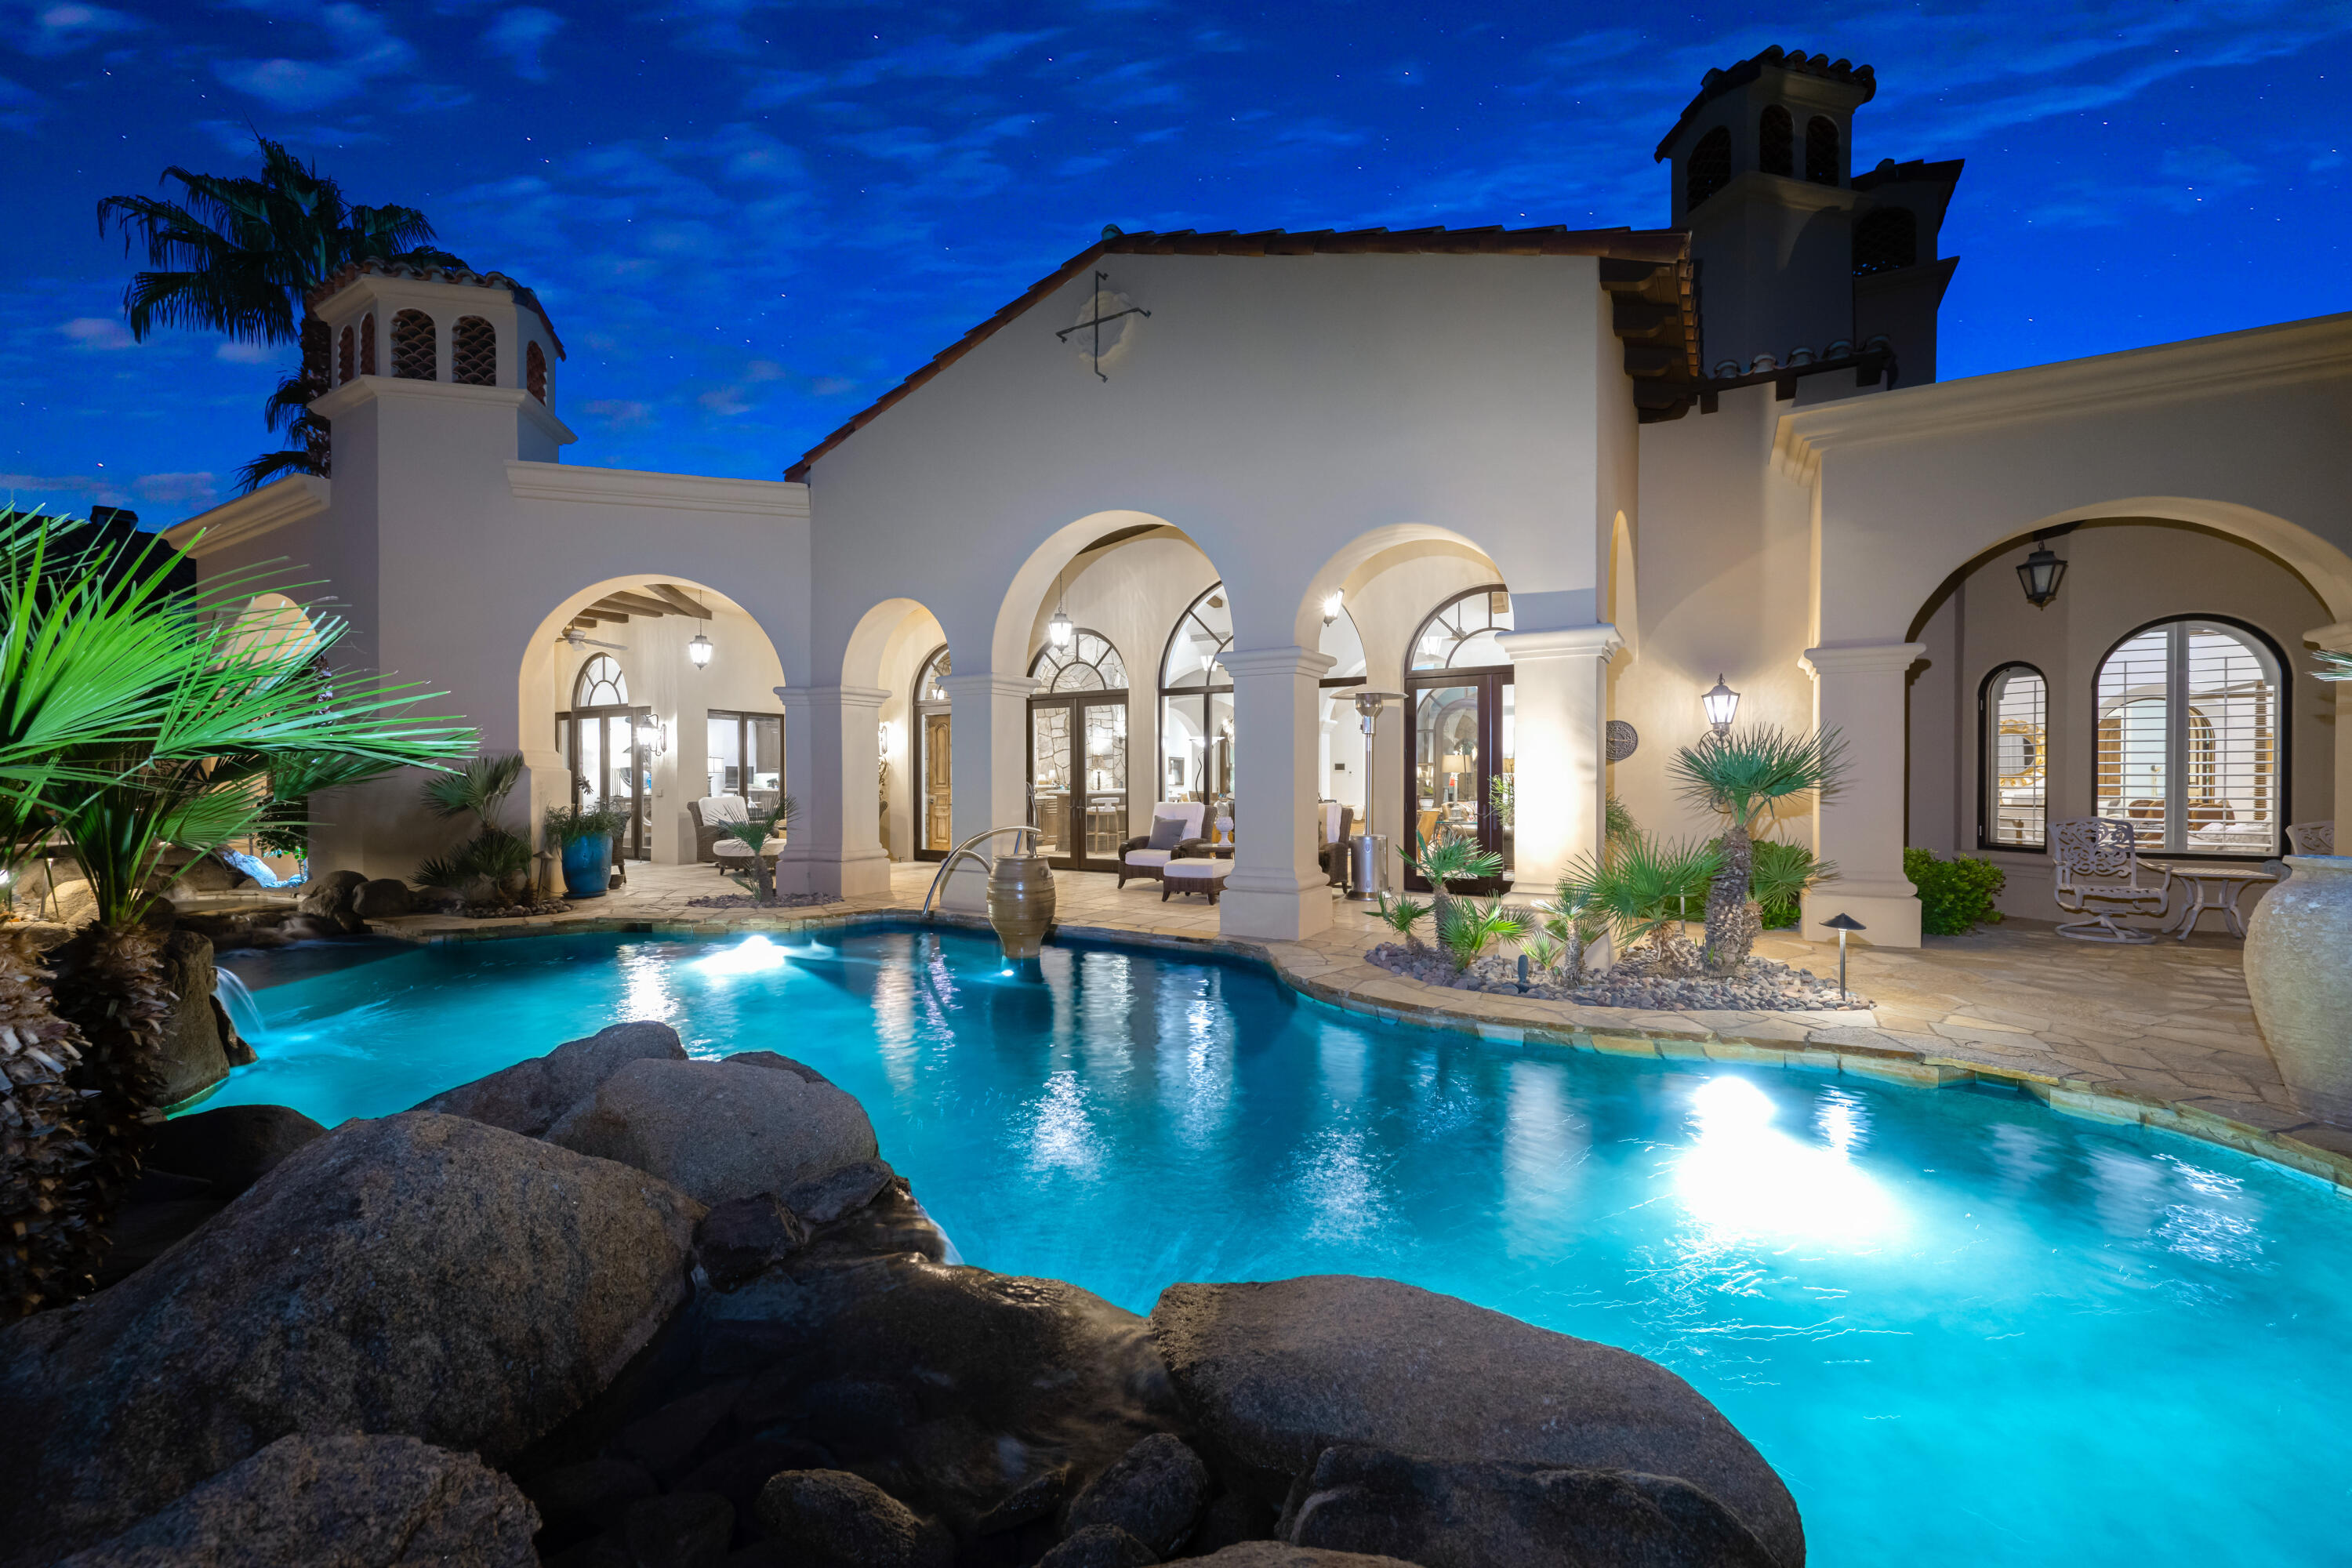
{"type": "Point", "coordinates": [101, 332]}
{"type": "Point", "coordinates": [360, 49]}
{"type": "Point", "coordinates": [518, 35]}
{"type": "Point", "coordinates": [47, 29]}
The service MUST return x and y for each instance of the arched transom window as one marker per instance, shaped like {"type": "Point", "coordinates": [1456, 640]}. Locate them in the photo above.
{"type": "Point", "coordinates": [936, 668]}
{"type": "Point", "coordinates": [2016, 752]}
{"type": "Point", "coordinates": [1088, 664]}
{"type": "Point", "coordinates": [1203, 632]}
{"type": "Point", "coordinates": [2191, 738]}
{"type": "Point", "coordinates": [601, 684]}
{"type": "Point", "coordinates": [1461, 635]}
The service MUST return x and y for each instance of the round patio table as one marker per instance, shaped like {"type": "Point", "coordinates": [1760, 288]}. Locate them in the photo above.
{"type": "Point", "coordinates": [2212, 886]}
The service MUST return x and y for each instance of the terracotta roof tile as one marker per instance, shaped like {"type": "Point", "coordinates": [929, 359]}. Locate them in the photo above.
{"type": "Point", "coordinates": [1661, 249]}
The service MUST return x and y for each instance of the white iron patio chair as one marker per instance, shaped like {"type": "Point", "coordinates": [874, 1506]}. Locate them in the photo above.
{"type": "Point", "coordinates": [2098, 876]}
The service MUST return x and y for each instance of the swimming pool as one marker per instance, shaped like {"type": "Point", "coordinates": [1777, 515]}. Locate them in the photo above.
{"type": "Point", "coordinates": [1965, 1330]}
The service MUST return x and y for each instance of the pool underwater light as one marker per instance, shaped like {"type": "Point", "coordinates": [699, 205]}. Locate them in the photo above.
{"type": "Point", "coordinates": [755, 955]}
{"type": "Point", "coordinates": [1743, 1175]}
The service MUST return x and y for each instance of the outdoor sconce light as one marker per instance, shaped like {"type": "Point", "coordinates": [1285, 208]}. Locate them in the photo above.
{"type": "Point", "coordinates": [1331, 606]}
{"type": "Point", "coordinates": [1721, 704]}
{"type": "Point", "coordinates": [1844, 925]}
{"type": "Point", "coordinates": [699, 651]}
{"type": "Point", "coordinates": [2041, 573]}
{"type": "Point", "coordinates": [882, 739]}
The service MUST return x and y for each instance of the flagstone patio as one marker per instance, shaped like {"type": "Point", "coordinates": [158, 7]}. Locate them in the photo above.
{"type": "Point", "coordinates": [2162, 1033]}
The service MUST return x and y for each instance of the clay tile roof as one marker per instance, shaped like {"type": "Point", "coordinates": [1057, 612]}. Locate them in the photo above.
{"type": "Point", "coordinates": [1661, 249]}
{"type": "Point", "coordinates": [1944, 173]}
{"type": "Point", "coordinates": [1716, 83]}
{"type": "Point", "coordinates": [344, 279]}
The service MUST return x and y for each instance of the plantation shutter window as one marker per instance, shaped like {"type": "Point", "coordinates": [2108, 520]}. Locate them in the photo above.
{"type": "Point", "coordinates": [2189, 739]}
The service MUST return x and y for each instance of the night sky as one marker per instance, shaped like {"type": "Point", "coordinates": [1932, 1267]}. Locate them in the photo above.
{"type": "Point", "coordinates": [748, 219]}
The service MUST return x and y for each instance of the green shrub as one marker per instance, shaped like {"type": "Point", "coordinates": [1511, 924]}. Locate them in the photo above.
{"type": "Point", "coordinates": [1955, 894]}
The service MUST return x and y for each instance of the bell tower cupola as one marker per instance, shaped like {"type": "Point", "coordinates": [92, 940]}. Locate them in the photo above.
{"type": "Point", "coordinates": [1796, 257]}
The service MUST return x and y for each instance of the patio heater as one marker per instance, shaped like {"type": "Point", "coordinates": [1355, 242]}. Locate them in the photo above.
{"type": "Point", "coordinates": [1368, 856]}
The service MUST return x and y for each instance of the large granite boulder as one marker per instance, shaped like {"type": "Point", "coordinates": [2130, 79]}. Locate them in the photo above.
{"type": "Point", "coordinates": [331, 894]}
{"type": "Point", "coordinates": [1276, 1555]}
{"type": "Point", "coordinates": [232, 1147]}
{"type": "Point", "coordinates": [1273, 1374]}
{"type": "Point", "coordinates": [420, 1274]}
{"type": "Point", "coordinates": [195, 1057]}
{"type": "Point", "coordinates": [1457, 1514]}
{"type": "Point", "coordinates": [1154, 1492]}
{"type": "Point", "coordinates": [718, 1129]}
{"type": "Point", "coordinates": [386, 898]}
{"type": "Point", "coordinates": [985, 1400]}
{"type": "Point", "coordinates": [528, 1097]}
{"type": "Point", "coordinates": [351, 1502]}
{"type": "Point", "coordinates": [832, 1519]}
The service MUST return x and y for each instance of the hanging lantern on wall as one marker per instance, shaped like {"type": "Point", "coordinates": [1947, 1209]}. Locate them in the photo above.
{"type": "Point", "coordinates": [1058, 629]}
{"type": "Point", "coordinates": [1721, 704]}
{"type": "Point", "coordinates": [2041, 573]}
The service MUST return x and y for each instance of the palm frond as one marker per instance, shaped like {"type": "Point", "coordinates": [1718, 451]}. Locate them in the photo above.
{"type": "Point", "coordinates": [1782, 873]}
{"type": "Point", "coordinates": [1643, 888]}
{"type": "Point", "coordinates": [1740, 774]}
{"type": "Point", "coordinates": [1402, 914]}
{"type": "Point", "coordinates": [1466, 927]}
{"type": "Point", "coordinates": [477, 787]}
{"type": "Point", "coordinates": [2333, 666]}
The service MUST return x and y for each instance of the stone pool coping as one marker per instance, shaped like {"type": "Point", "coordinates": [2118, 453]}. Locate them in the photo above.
{"type": "Point", "coordinates": [1840, 1041]}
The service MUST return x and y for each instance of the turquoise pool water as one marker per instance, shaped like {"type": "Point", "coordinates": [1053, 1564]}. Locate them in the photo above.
{"type": "Point", "coordinates": [1966, 1330]}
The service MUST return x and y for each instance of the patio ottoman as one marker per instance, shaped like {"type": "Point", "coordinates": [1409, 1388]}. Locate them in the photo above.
{"type": "Point", "coordinates": [1193, 877]}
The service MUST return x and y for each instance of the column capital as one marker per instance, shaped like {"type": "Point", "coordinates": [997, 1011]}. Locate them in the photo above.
{"type": "Point", "coordinates": [1869, 658]}
{"type": "Point", "coordinates": [1240, 662]}
{"type": "Point", "coordinates": [1600, 640]}
{"type": "Point", "coordinates": [2337, 639]}
{"type": "Point", "coordinates": [846, 696]}
{"type": "Point", "coordinates": [991, 683]}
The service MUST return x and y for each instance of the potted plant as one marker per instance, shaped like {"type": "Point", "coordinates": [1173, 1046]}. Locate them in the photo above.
{"type": "Point", "coordinates": [585, 840]}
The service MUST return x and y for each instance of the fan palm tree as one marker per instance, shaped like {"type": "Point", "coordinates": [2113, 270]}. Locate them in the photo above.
{"type": "Point", "coordinates": [239, 253]}
{"type": "Point", "coordinates": [1635, 892]}
{"type": "Point", "coordinates": [132, 716]}
{"type": "Point", "coordinates": [478, 789]}
{"type": "Point", "coordinates": [756, 833]}
{"type": "Point", "coordinates": [1743, 776]}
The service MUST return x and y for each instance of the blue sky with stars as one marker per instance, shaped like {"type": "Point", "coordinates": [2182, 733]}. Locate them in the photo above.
{"type": "Point", "coordinates": [748, 219]}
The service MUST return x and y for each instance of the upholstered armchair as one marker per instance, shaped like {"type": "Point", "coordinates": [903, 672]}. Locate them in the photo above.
{"type": "Point", "coordinates": [710, 815]}
{"type": "Point", "coordinates": [1144, 855]}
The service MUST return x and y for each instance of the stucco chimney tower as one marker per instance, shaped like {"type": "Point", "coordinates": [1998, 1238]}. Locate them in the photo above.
{"type": "Point", "coordinates": [1793, 251]}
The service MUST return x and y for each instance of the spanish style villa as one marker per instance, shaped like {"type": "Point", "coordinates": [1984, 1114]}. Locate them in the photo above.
{"type": "Point", "coordinates": [1141, 535]}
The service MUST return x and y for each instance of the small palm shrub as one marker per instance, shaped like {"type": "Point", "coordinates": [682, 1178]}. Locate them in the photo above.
{"type": "Point", "coordinates": [1954, 894]}
{"type": "Point", "coordinates": [1743, 776]}
{"type": "Point", "coordinates": [1639, 893]}
{"type": "Point", "coordinates": [1466, 927]}
{"type": "Point", "coordinates": [494, 854]}
{"type": "Point", "coordinates": [1782, 873]}
{"type": "Point", "coordinates": [1541, 949]}
{"type": "Point", "coordinates": [756, 833]}
{"type": "Point", "coordinates": [1403, 914]}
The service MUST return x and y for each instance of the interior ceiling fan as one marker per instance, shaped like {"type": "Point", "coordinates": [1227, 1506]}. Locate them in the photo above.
{"type": "Point", "coordinates": [579, 638]}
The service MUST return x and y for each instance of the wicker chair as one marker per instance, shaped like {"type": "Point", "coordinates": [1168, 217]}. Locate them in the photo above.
{"type": "Point", "coordinates": [1138, 858]}
{"type": "Point", "coordinates": [709, 813]}
{"type": "Point", "coordinates": [2098, 876]}
{"type": "Point", "coordinates": [1339, 823]}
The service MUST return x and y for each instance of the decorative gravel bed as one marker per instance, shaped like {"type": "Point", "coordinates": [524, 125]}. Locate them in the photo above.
{"type": "Point", "coordinates": [746, 901]}
{"type": "Point", "coordinates": [1761, 984]}
{"type": "Point", "coordinates": [514, 911]}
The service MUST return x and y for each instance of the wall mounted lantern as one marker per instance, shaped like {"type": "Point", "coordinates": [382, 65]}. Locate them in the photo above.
{"type": "Point", "coordinates": [2041, 573]}
{"type": "Point", "coordinates": [1721, 704]}
{"type": "Point", "coordinates": [1331, 606]}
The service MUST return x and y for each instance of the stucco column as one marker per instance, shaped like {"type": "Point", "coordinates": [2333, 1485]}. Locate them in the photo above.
{"type": "Point", "coordinates": [1560, 704]}
{"type": "Point", "coordinates": [2337, 639]}
{"type": "Point", "coordinates": [831, 751]}
{"type": "Point", "coordinates": [1858, 692]}
{"type": "Point", "coordinates": [1275, 891]}
{"type": "Point", "coordinates": [988, 770]}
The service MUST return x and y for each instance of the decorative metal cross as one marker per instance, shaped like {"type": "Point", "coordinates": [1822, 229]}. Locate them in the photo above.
{"type": "Point", "coordinates": [1096, 323]}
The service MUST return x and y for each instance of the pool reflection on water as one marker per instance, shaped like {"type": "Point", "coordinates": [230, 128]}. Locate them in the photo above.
{"type": "Point", "coordinates": [1965, 1330]}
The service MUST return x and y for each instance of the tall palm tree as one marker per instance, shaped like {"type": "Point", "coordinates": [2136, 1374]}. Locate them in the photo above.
{"type": "Point", "coordinates": [239, 255]}
{"type": "Point", "coordinates": [1743, 776]}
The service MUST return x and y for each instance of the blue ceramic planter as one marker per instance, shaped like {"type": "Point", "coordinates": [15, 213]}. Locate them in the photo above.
{"type": "Point", "coordinates": [588, 867]}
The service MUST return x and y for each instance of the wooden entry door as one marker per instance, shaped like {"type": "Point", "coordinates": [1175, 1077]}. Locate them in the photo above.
{"type": "Point", "coordinates": [938, 817]}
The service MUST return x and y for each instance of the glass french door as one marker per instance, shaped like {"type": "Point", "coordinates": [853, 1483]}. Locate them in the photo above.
{"type": "Point", "coordinates": [612, 765]}
{"type": "Point", "coordinates": [1077, 778]}
{"type": "Point", "coordinates": [1459, 776]}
